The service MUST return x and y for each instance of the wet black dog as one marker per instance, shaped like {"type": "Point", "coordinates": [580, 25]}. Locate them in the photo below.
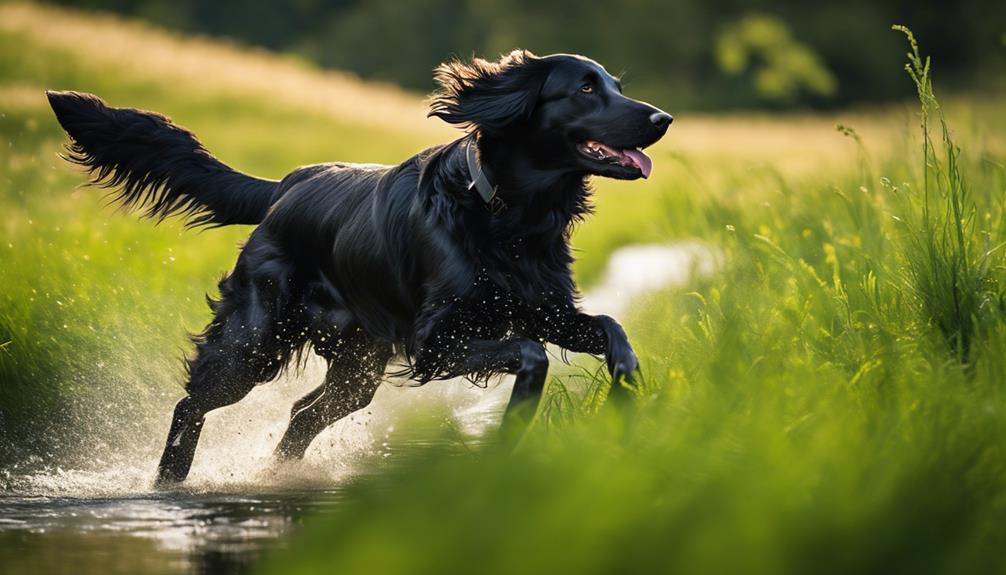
{"type": "Point", "coordinates": [458, 258]}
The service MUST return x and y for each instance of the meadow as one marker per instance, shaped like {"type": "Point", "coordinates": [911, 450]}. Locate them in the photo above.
{"type": "Point", "coordinates": [830, 400]}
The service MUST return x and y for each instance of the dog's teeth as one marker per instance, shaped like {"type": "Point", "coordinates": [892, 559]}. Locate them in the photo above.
{"type": "Point", "coordinates": [598, 151]}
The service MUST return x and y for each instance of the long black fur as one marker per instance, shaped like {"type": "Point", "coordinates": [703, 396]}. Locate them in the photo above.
{"type": "Point", "coordinates": [158, 167]}
{"type": "Point", "coordinates": [360, 260]}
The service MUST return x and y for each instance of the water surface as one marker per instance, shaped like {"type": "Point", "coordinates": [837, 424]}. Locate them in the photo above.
{"type": "Point", "coordinates": [236, 505]}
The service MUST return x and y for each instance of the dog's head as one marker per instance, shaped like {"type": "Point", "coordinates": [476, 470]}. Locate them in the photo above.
{"type": "Point", "coordinates": [565, 108]}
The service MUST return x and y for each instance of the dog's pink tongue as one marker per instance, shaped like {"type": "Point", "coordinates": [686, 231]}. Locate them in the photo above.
{"type": "Point", "coordinates": [642, 161]}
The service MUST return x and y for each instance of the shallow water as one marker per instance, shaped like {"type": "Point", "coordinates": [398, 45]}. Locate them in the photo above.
{"type": "Point", "coordinates": [107, 518]}
{"type": "Point", "coordinates": [149, 533]}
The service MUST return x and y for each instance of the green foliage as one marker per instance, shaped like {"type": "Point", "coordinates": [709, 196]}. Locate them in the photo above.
{"type": "Point", "coordinates": [781, 67]}
{"type": "Point", "coordinates": [805, 408]}
{"type": "Point", "coordinates": [665, 49]}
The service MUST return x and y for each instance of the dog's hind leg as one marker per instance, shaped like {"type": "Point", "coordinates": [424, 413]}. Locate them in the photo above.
{"type": "Point", "coordinates": [242, 347]}
{"type": "Point", "coordinates": [355, 367]}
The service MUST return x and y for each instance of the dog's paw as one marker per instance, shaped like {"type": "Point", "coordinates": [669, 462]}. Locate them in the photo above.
{"type": "Point", "coordinates": [623, 366]}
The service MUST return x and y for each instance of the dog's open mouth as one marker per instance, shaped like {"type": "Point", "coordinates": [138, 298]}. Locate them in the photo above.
{"type": "Point", "coordinates": [629, 158]}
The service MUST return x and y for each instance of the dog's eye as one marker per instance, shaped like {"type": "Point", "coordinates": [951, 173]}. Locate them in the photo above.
{"type": "Point", "coordinates": [587, 89]}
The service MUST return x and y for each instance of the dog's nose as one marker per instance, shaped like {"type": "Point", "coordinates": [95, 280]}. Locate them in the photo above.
{"type": "Point", "coordinates": [661, 119]}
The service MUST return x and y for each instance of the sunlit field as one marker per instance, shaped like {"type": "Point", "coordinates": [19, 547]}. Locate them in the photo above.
{"type": "Point", "coordinates": [829, 399]}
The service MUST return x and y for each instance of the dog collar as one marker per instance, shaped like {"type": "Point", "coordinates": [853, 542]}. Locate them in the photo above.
{"type": "Point", "coordinates": [481, 183]}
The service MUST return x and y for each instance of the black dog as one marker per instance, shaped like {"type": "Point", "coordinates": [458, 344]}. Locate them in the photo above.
{"type": "Point", "coordinates": [458, 258]}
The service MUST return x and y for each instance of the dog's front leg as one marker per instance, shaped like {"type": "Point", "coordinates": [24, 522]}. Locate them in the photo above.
{"type": "Point", "coordinates": [522, 357]}
{"type": "Point", "coordinates": [595, 334]}
{"type": "Point", "coordinates": [621, 359]}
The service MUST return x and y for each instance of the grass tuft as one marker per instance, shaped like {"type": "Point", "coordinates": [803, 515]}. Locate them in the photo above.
{"type": "Point", "coordinates": [949, 256]}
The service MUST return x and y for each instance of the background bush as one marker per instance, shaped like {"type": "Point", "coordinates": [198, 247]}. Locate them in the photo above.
{"type": "Point", "coordinates": [668, 50]}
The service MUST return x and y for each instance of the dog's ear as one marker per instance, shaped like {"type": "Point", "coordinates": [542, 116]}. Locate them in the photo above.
{"type": "Point", "coordinates": [488, 95]}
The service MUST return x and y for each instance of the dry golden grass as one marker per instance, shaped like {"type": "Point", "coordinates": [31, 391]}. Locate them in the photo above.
{"type": "Point", "coordinates": [20, 97]}
{"type": "Point", "coordinates": [796, 145]}
{"type": "Point", "coordinates": [214, 67]}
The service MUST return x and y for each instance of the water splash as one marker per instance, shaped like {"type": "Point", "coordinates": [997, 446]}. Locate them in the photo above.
{"type": "Point", "coordinates": [235, 452]}
{"type": "Point", "coordinates": [237, 502]}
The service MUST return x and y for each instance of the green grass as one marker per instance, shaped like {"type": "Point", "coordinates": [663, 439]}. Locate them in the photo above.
{"type": "Point", "coordinates": [830, 400]}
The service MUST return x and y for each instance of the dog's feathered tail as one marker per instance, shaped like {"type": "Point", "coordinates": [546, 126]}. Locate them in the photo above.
{"type": "Point", "coordinates": [158, 167]}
